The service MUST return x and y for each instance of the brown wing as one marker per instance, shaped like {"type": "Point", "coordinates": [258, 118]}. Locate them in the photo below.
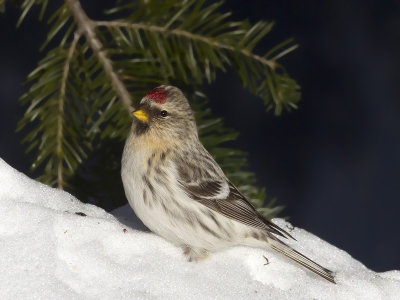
{"type": "Point", "coordinates": [235, 206]}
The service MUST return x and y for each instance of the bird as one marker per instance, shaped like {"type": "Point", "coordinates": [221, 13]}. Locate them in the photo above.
{"type": "Point", "coordinates": [178, 190]}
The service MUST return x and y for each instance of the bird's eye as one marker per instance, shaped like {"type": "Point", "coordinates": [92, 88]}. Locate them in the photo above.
{"type": "Point", "coordinates": [164, 113]}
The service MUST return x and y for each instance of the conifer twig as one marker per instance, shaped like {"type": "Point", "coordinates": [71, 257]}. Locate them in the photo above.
{"type": "Point", "coordinates": [86, 27]}
{"type": "Point", "coordinates": [195, 37]}
{"type": "Point", "coordinates": [60, 116]}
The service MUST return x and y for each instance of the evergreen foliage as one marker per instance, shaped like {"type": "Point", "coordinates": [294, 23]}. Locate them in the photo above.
{"type": "Point", "coordinates": [82, 92]}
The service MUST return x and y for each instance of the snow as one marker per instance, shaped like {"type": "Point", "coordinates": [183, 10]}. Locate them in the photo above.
{"type": "Point", "coordinates": [49, 252]}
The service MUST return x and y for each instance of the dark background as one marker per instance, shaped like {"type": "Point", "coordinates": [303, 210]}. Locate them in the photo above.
{"type": "Point", "coordinates": [334, 163]}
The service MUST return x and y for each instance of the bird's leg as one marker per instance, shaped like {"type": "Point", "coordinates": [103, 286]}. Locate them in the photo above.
{"type": "Point", "coordinates": [194, 254]}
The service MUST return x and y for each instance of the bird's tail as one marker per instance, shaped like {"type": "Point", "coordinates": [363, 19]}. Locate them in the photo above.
{"type": "Point", "coordinates": [281, 247]}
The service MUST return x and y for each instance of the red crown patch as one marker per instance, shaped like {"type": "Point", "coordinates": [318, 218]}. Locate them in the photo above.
{"type": "Point", "coordinates": [158, 95]}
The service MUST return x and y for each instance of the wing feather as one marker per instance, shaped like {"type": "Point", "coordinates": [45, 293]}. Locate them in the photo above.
{"type": "Point", "coordinates": [234, 206]}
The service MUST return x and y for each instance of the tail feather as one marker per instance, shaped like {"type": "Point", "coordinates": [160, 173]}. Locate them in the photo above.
{"type": "Point", "coordinates": [281, 247]}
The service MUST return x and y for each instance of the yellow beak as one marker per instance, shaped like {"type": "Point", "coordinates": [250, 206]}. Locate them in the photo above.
{"type": "Point", "coordinates": [141, 115]}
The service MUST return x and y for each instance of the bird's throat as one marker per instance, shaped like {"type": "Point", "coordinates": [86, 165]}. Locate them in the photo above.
{"type": "Point", "coordinates": [141, 128]}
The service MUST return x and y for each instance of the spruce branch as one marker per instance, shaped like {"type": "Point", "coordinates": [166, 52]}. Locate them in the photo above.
{"type": "Point", "coordinates": [194, 37]}
{"type": "Point", "coordinates": [60, 116]}
{"type": "Point", "coordinates": [81, 91]}
{"type": "Point", "coordinates": [86, 27]}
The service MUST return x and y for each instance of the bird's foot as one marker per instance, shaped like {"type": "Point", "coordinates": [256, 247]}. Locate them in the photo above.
{"type": "Point", "coordinates": [195, 254]}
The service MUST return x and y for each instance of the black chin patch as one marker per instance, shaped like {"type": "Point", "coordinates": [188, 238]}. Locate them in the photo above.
{"type": "Point", "coordinates": [141, 128]}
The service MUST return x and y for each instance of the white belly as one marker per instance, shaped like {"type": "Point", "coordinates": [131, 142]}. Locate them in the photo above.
{"type": "Point", "coordinates": [166, 210]}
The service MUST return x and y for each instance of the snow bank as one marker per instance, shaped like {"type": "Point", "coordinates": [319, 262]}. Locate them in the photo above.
{"type": "Point", "coordinates": [48, 251]}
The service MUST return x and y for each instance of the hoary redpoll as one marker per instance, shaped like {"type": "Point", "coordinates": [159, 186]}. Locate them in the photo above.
{"type": "Point", "coordinates": [179, 191]}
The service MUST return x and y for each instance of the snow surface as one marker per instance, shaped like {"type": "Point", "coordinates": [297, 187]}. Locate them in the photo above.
{"type": "Point", "coordinates": [49, 252]}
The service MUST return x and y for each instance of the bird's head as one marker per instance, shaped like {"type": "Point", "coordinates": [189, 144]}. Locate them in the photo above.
{"type": "Point", "coordinates": [165, 113]}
